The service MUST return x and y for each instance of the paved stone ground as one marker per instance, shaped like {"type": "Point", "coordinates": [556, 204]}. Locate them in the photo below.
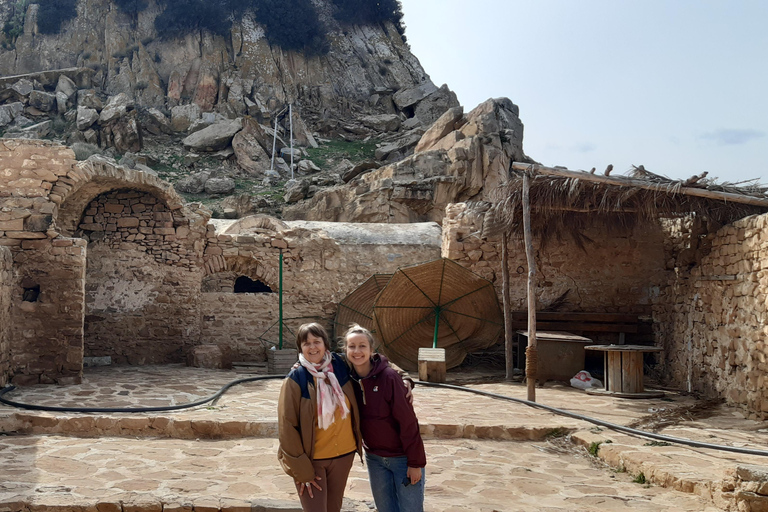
{"type": "Point", "coordinates": [483, 454]}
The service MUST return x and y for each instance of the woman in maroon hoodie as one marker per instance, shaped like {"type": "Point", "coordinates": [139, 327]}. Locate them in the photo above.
{"type": "Point", "coordinates": [394, 450]}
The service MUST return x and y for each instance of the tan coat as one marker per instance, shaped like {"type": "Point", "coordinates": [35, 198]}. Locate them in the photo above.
{"type": "Point", "coordinates": [296, 419]}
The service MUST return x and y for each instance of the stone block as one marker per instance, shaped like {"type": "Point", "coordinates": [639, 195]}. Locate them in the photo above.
{"type": "Point", "coordinates": [128, 222]}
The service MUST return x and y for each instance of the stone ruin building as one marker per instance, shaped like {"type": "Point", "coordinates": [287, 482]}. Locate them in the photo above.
{"type": "Point", "coordinates": [100, 260]}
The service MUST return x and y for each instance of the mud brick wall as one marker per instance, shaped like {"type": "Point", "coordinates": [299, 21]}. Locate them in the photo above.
{"type": "Point", "coordinates": [47, 310]}
{"type": "Point", "coordinates": [143, 279]}
{"type": "Point", "coordinates": [713, 319]}
{"type": "Point", "coordinates": [6, 285]}
{"type": "Point", "coordinates": [619, 273]}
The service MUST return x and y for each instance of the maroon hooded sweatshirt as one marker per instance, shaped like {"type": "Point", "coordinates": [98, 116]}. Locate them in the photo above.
{"type": "Point", "coordinates": [387, 420]}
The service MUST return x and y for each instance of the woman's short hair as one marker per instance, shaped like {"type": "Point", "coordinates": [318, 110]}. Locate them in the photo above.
{"type": "Point", "coordinates": [316, 330]}
{"type": "Point", "coordinates": [357, 329]}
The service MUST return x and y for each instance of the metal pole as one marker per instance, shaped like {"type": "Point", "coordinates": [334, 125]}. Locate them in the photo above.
{"type": "Point", "coordinates": [280, 303]}
{"type": "Point", "coordinates": [437, 321]}
{"type": "Point", "coordinates": [290, 124]}
{"type": "Point", "coordinates": [274, 145]}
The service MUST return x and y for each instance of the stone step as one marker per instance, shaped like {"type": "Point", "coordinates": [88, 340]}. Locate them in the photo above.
{"type": "Point", "coordinates": [65, 474]}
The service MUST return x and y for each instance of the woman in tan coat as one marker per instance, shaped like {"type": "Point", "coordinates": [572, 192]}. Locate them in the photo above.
{"type": "Point", "coordinates": [319, 423]}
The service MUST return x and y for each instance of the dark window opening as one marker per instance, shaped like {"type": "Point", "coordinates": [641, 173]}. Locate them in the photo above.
{"type": "Point", "coordinates": [245, 284]}
{"type": "Point", "coordinates": [31, 294]}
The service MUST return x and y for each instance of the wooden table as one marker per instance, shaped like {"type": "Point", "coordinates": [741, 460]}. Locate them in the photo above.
{"type": "Point", "coordinates": [561, 354]}
{"type": "Point", "coordinates": [623, 371]}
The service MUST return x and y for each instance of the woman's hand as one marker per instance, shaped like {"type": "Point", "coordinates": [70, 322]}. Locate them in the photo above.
{"type": "Point", "coordinates": [414, 475]}
{"type": "Point", "coordinates": [308, 486]}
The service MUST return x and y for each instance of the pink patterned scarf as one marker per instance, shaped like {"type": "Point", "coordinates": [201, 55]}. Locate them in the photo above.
{"type": "Point", "coordinates": [329, 394]}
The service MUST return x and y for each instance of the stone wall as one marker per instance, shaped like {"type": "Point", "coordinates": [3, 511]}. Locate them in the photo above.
{"type": "Point", "coordinates": [6, 284]}
{"type": "Point", "coordinates": [322, 264]}
{"type": "Point", "coordinates": [47, 312]}
{"type": "Point", "coordinates": [712, 320]}
{"type": "Point", "coordinates": [143, 279]}
{"type": "Point", "coordinates": [619, 273]}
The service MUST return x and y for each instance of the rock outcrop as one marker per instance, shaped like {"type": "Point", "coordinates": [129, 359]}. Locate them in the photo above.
{"type": "Point", "coordinates": [459, 158]}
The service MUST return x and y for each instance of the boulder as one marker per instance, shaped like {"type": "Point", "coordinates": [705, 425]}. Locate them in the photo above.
{"type": "Point", "coordinates": [382, 123]}
{"type": "Point", "coordinates": [116, 107]}
{"type": "Point", "coordinates": [145, 169]}
{"type": "Point", "coordinates": [286, 154]}
{"type": "Point", "coordinates": [357, 170]}
{"type": "Point", "coordinates": [61, 103]}
{"type": "Point", "coordinates": [66, 86]}
{"type": "Point", "coordinates": [42, 101]}
{"type": "Point", "coordinates": [194, 183]}
{"type": "Point", "coordinates": [88, 98]}
{"type": "Point", "coordinates": [220, 186]}
{"type": "Point", "coordinates": [433, 106]}
{"type": "Point", "coordinates": [6, 116]}
{"type": "Point", "coordinates": [213, 138]}
{"type": "Point", "coordinates": [155, 122]}
{"type": "Point", "coordinates": [444, 125]}
{"type": "Point", "coordinates": [307, 167]}
{"type": "Point", "coordinates": [182, 117]}
{"type": "Point", "coordinates": [409, 96]}
{"type": "Point", "coordinates": [86, 117]}
{"type": "Point", "coordinates": [249, 146]}
{"type": "Point", "coordinates": [398, 149]}
{"type": "Point", "coordinates": [23, 87]}
{"type": "Point", "coordinates": [295, 190]}
{"type": "Point", "coordinates": [124, 133]}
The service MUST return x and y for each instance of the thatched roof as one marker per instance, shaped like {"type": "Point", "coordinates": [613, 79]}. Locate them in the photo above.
{"type": "Point", "coordinates": [563, 200]}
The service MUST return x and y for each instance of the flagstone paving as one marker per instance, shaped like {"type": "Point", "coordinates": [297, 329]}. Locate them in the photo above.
{"type": "Point", "coordinates": [483, 454]}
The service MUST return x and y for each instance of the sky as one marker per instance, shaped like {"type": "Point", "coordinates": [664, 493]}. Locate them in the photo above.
{"type": "Point", "coordinates": [679, 86]}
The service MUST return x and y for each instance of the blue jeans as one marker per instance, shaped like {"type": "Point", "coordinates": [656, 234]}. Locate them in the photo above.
{"type": "Point", "coordinates": [387, 475]}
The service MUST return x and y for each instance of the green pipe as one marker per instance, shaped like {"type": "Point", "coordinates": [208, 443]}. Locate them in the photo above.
{"type": "Point", "coordinates": [437, 320]}
{"type": "Point", "coordinates": [280, 304]}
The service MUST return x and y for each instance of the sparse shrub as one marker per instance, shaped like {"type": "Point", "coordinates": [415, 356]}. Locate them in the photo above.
{"type": "Point", "coordinates": [131, 49]}
{"type": "Point", "coordinates": [53, 13]}
{"type": "Point", "coordinates": [83, 150]}
{"type": "Point", "coordinates": [14, 27]}
{"type": "Point", "coordinates": [639, 479]}
{"type": "Point", "coordinates": [368, 12]}
{"type": "Point", "coordinates": [147, 40]}
{"type": "Point", "coordinates": [86, 55]}
{"type": "Point", "coordinates": [382, 69]}
{"type": "Point", "coordinates": [120, 54]}
{"type": "Point", "coordinates": [157, 58]}
{"type": "Point", "coordinates": [132, 6]}
{"type": "Point", "coordinates": [140, 86]}
{"type": "Point", "coordinates": [594, 449]}
{"type": "Point", "coordinates": [58, 126]}
{"type": "Point", "coordinates": [293, 25]}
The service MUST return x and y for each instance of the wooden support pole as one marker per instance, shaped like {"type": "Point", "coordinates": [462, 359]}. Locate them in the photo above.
{"type": "Point", "coordinates": [531, 354]}
{"type": "Point", "coordinates": [508, 334]}
{"type": "Point", "coordinates": [630, 182]}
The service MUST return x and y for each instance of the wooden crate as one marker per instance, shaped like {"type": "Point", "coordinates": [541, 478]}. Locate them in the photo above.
{"type": "Point", "coordinates": [279, 362]}
{"type": "Point", "coordinates": [432, 364]}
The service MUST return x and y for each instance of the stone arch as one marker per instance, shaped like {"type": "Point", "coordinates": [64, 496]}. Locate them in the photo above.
{"type": "Point", "coordinates": [242, 265]}
{"type": "Point", "coordinates": [96, 176]}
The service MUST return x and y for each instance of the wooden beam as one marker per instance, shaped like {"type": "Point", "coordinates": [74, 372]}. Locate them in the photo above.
{"type": "Point", "coordinates": [727, 197]}
{"type": "Point", "coordinates": [531, 360]}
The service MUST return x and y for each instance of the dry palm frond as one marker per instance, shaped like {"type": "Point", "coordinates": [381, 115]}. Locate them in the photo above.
{"type": "Point", "coordinates": [561, 205]}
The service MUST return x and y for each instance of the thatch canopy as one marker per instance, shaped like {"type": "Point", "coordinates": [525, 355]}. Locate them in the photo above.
{"type": "Point", "coordinates": [558, 196]}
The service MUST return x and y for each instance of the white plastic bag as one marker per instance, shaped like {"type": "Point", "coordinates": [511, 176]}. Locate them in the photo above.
{"type": "Point", "coordinates": [583, 380]}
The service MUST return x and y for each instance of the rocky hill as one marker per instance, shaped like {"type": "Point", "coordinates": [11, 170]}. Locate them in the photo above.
{"type": "Point", "coordinates": [200, 108]}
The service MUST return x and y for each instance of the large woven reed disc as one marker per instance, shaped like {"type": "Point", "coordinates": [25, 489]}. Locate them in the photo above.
{"type": "Point", "coordinates": [357, 307]}
{"type": "Point", "coordinates": [404, 313]}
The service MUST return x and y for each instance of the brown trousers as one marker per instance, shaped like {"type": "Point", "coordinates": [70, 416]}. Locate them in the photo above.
{"type": "Point", "coordinates": [333, 475]}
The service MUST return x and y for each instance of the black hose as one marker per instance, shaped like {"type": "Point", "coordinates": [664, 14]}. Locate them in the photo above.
{"type": "Point", "coordinates": [131, 409]}
{"type": "Point", "coordinates": [612, 426]}
{"type": "Point", "coordinates": [562, 412]}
